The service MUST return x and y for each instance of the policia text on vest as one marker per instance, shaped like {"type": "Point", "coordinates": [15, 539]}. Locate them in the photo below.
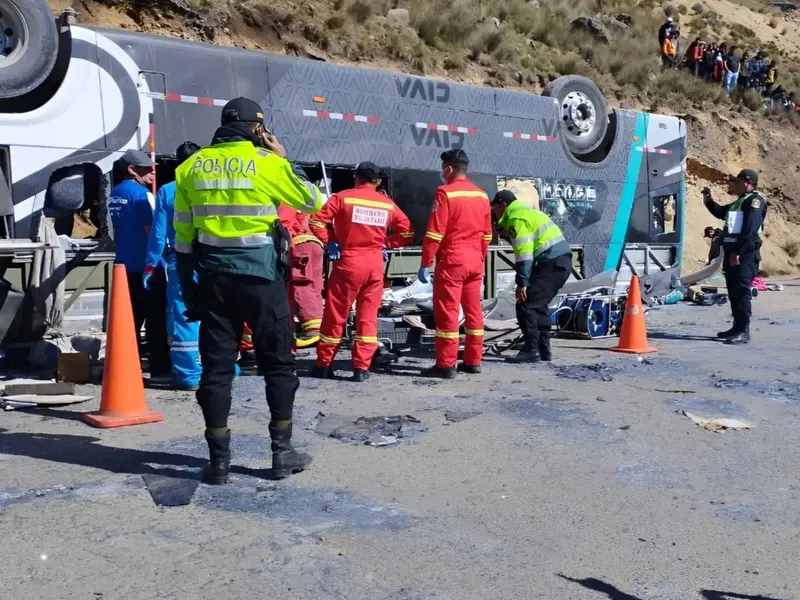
{"type": "Point", "coordinates": [741, 243]}
{"type": "Point", "coordinates": [227, 228]}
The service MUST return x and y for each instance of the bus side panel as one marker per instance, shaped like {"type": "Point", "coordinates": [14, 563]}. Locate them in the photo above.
{"type": "Point", "coordinates": [190, 82]}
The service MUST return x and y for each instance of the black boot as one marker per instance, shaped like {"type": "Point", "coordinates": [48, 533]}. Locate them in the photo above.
{"type": "Point", "coordinates": [219, 458]}
{"type": "Point", "coordinates": [439, 372]}
{"type": "Point", "coordinates": [468, 369]}
{"type": "Point", "coordinates": [360, 375]}
{"type": "Point", "coordinates": [526, 355]}
{"type": "Point", "coordinates": [728, 334]}
{"type": "Point", "coordinates": [285, 459]}
{"type": "Point", "coordinates": [322, 372]}
{"type": "Point", "coordinates": [545, 351]}
{"type": "Point", "coordinates": [738, 339]}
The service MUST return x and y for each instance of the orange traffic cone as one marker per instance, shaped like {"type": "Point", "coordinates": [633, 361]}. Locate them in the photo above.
{"type": "Point", "coordinates": [633, 337]}
{"type": "Point", "coordinates": [123, 401]}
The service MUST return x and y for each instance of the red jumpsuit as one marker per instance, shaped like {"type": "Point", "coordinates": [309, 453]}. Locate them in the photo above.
{"type": "Point", "coordinates": [306, 281]}
{"type": "Point", "coordinates": [458, 235]}
{"type": "Point", "coordinates": [359, 220]}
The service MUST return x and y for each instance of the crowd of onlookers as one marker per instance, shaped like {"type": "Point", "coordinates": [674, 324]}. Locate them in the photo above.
{"type": "Point", "coordinates": [735, 71]}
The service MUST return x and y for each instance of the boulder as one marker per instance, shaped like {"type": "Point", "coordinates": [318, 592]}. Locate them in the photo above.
{"type": "Point", "coordinates": [592, 26]}
{"type": "Point", "coordinates": [399, 16]}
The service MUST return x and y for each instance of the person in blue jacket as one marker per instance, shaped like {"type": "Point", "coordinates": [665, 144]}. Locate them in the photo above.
{"type": "Point", "coordinates": [131, 207]}
{"type": "Point", "coordinates": [183, 335]}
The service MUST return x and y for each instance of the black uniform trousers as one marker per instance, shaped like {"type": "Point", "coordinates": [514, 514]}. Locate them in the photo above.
{"type": "Point", "coordinates": [150, 309]}
{"type": "Point", "coordinates": [533, 315]}
{"type": "Point", "coordinates": [226, 303]}
{"type": "Point", "coordinates": [737, 280]}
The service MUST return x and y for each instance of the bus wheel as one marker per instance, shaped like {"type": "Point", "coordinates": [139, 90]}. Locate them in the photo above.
{"type": "Point", "coordinates": [28, 46]}
{"type": "Point", "coordinates": [582, 112]}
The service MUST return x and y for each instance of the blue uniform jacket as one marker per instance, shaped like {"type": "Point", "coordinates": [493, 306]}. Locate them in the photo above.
{"type": "Point", "coordinates": [131, 208]}
{"type": "Point", "coordinates": [162, 232]}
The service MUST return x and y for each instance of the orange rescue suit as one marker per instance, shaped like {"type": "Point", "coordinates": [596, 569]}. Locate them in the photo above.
{"type": "Point", "coordinates": [458, 235]}
{"type": "Point", "coordinates": [360, 220]}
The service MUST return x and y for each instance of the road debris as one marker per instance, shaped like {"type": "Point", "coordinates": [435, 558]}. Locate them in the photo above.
{"type": "Point", "coordinates": [36, 401]}
{"type": "Point", "coordinates": [168, 490]}
{"type": "Point", "coordinates": [370, 431]}
{"type": "Point", "coordinates": [601, 371]}
{"type": "Point", "coordinates": [717, 424]}
{"type": "Point", "coordinates": [456, 416]}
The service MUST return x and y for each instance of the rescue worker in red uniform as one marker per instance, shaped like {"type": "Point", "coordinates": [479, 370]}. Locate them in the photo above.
{"type": "Point", "coordinates": [305, 285]}
{"type": "Point", "coordinates": [356, 224]}
{"type": "Point", "coordinates": [458, 235]}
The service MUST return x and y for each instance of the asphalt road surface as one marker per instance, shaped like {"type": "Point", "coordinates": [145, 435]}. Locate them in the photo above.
{"type": "Point", "coordinates": [577, 480]}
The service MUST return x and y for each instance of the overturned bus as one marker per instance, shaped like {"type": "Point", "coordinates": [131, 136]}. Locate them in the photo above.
{"type": "Point", "coordinates": [77, 97]}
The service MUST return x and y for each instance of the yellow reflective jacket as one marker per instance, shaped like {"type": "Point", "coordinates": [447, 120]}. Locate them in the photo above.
{"type": "Point", "coordinates": [226, 205]}
{"type": "Point", "coordinates": [534, 236]}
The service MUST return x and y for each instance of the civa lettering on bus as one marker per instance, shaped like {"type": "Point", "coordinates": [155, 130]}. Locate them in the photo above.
{"type": "Point", "coordinates": [218, 166]}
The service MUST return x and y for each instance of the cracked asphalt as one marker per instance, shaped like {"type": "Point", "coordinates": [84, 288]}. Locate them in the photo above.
{"type": "Point", "coordinates": [577, 480]}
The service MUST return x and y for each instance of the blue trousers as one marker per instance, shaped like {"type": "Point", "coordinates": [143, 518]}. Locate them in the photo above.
{"type": "Point", "coordinates": [183, 336]}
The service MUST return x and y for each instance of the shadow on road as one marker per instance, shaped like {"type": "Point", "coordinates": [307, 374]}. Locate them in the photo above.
{"type": "Point", "coordinates": [717, 595]}
{"type": "Point", "coordinates": [86, 451]}
{"type": "Point", "coordinates": [590, 583]}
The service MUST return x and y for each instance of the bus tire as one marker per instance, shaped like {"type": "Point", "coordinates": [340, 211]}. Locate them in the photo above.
{"type": "Point", "coordinates": [28, 46]}
{"type": "Point", "coordinates": [582, 112]}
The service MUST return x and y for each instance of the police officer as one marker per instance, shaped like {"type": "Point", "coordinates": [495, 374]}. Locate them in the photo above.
{"type": "Point", "coordinates": [741, 243]}
{"type": "Point", "coordinates": [543, 262]}
{"type": "Point", "coordinates": [226, 226]}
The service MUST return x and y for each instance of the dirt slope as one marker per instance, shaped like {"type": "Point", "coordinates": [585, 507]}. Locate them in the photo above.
{"type": "Point", "coordinates": [518, 43]}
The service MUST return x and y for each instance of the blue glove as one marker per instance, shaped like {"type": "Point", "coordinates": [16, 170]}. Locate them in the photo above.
{"type": "Point", "coordinates": [146, 279]}
{"type": "Point", "coordinates": [334, 251]}
{"type": "Point", "coordinates": [424, 275]}
{"type": "Point", "coordinates": [385, 255]}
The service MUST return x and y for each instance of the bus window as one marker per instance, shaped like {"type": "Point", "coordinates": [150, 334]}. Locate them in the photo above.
{"type": "Point", "coordinates": [664, 215]}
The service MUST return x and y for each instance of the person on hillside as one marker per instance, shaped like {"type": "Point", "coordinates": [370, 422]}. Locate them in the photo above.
{"type": "Point", "coordinates": [771, 76]}
{"type": "Point", "coordinates": [708, 61]}
{"type": "Point", "coordinates": [744, 73]}
{"type": "Point", "coordinates": [694, 56]}
{"type": "Point", "coordinates": [731, 66]}
{"type": "Point", "coordinates": [719, 62]}
{"type": "Point", "coordinates": [665, 30]}
{"type": "Point", "coordinates": [669, 52]}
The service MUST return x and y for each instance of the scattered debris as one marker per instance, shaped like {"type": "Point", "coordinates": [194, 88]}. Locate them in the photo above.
{"type": "Point", "coordinates": [372, 431]}
{"type": "Point", "coordinates": [601, 371]}
{"type": "Point", "coordinates": [456, 416]}
{"type": "Point", "coordinates": [34, 401]}
{"type": "Point", "coordinates": [717, 424]}
{"type": "Point", "coordinates": [168, 490]}
{"type": "Point", "coordinates": [15, 387]}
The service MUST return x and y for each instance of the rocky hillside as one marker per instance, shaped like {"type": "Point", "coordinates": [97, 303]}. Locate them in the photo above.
{"type": "Point", "coordinates": [525, 44]}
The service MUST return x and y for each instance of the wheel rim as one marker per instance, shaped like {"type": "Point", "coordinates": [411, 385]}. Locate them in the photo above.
{"type": "Point", "coordinates": [578, 113]}
{"type": "Point", "coordinates": [13, 34]}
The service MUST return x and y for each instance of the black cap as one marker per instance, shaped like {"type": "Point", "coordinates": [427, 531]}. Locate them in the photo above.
{"type": "Point", "coordinates": [455, 158]}
{"type": "Point", "coordinates": [368, 171]}
{"type": "Point", "coordinates": [748, 175]}
{"type": "Point", "coordinates": [136, 158]}
{"type": "Point", "coordinates": [504, 196]}
{"type": "Point", "coordinates": [242, 110]}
